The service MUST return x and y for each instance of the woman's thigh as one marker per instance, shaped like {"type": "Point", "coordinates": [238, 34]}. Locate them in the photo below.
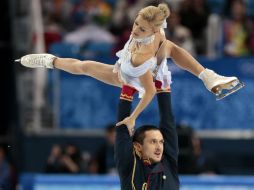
{"type": "Point", "coordinates": [102, 72]}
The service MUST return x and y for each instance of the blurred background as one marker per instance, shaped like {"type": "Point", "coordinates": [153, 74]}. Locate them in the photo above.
{"type": "Point", "coordinates": [57, 129]}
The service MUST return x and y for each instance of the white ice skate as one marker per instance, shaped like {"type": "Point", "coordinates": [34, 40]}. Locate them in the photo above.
{"type": "Point", "coordinates": [37, 60]}
{"type": "Point", "coordinates": [221, 86]}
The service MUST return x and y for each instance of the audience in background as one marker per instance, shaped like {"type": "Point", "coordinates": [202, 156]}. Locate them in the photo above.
{"type": "Point", "coordinates": [180, 34]}
{"type": "Point", "coordinates": [72, 159]}
{"type": "Point", "coordinates": [95, 15]}
{"type": "Point", "coordinates": [194, 15]}
{"type": "Point", "coordinates": [54, 162]}
{"type": "Point", "coordinates": [5, 171]}
{"type": "Point", "coordinates": [68, 160]}
{"type": "Point", "coordinates": [72, 22]}
{"type": "Point", "coordinates": [52, 32]}
{"type": "Point", "coordinates": [185, 149]}
{"type": "Point", "coordinates": [204, 161]}
{"type": "Point", "coordinates": [105, 156]}
{"type": "Point", "coordinates": [193, 159]}
{"type": "Point", "coordinates": [89, 33]}
{"type": "Point", "coordinates": [238, 30]}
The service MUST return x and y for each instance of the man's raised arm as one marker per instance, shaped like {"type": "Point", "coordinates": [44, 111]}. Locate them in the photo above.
{"type": "Point", "coordinates": [167, 125]}
{"type": "Point", "coordinates": [123, 146]}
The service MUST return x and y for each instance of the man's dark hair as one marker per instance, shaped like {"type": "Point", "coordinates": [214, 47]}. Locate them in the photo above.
{"type": "Point", "coordinates": [139, 133]}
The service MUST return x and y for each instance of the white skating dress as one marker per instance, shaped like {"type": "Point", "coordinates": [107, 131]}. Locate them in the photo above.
{"type": "Point", "coordinates": [130, 74]}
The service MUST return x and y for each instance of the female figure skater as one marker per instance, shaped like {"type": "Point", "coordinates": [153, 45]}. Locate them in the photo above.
{"type": "Point", "coordinates": [142, 62]}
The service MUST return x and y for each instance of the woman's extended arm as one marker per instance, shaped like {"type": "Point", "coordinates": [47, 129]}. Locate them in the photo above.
{"type": "Point", "coordinates": [150, 90]}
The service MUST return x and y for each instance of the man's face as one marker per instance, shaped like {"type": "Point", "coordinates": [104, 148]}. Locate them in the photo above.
{"type": "Point", "coordinates": [153, 145]}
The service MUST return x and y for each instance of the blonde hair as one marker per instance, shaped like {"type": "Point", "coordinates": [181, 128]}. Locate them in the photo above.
{"type": "Point", "coordinates": [155, 15]}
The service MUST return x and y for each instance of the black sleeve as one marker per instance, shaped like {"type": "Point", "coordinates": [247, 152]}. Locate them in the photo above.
{"type": "Point", "coordinates": [123, 145]}
{"type": "Point", "coordinates": [167, 126]}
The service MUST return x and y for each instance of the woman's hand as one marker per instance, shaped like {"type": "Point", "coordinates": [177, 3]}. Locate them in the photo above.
{"type": "Point", "coordinates": [129, 122]}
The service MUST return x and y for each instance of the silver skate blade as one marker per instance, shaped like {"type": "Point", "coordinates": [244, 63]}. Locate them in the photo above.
{"type": "Point", "coordinates": [230, 91]}
{"type": "Point", "coordinates": [17, 60]}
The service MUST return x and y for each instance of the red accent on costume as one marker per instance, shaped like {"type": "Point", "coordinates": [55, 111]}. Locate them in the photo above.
{"type": "Point", "coordinates": [146, 162]}
{"type": "Point", "coordinates": [158, 85]}
{"type": "Point", "coordinates": [127, 92]}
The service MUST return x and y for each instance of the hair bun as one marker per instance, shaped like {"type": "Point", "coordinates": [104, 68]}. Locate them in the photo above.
{"type": "Point", "coordinates": [164, 8]}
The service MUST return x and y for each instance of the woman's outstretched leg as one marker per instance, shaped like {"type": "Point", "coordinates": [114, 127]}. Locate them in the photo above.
{"type": "Point", "coordinates": [100, 71]}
